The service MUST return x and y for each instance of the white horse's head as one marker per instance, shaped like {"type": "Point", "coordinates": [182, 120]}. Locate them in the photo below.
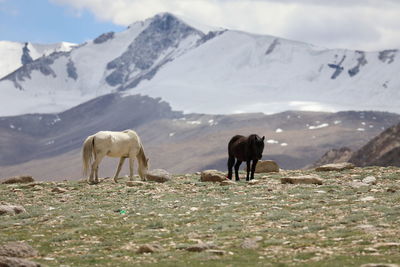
{"type": "Point", "coordinates": [143, 168]}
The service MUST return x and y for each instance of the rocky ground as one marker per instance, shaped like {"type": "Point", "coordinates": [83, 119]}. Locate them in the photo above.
{"type": "Point", "coordinates": [351, 219]}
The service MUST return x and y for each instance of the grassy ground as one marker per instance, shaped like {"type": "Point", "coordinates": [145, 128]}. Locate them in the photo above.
{"type": "Point", "coordinates": [332, 224]}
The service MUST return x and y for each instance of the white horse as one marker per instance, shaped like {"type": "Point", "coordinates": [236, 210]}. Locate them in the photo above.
{"type": "Point", "coordinates": [121, 145]}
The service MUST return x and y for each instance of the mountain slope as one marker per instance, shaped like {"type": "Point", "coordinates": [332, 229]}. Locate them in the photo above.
{"type": "Point", "coordinates": [215, 71]}
{"type": "Point", "coordinates": [383, 150]}
{"type": "Point", "coordinates": [48, 145]}
{"type": "Point", "coordinates": [13, 54]}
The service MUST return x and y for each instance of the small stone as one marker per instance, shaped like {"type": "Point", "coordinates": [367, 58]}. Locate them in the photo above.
{"type": "Point", "coordinates": [212, 176]}
{"type": "Point", "coordinates": [17, 180]}
{"type": "Point", "coordinates": [357, 184]}
{"type": "Point", "coordinates": [216, 252]}
{"type": "Point", "coordinates": [158, 175]}
{"type": "Point", "coordinates": [59, 190]}
{"type": "Point", "coordinates": [368, 198]}
{"type": "Point", "coordinates": [227, 182]}
{"type": "Point", "coordinates": [201, 246]}
{"type": "Point", "coordinates": [11, 209]}
{"type": "Point", "coordinates": [147, 248]}
{"type": "Point", "coordinates": [335, 167]}
{"type": "Point", "coordinates": [134, 183]}
{"type": "Point", "coordinates": [251, 243]}
{"type": "Point", "coordinates": [254, 182]}
{"type": "Point", "coordinates": [380, 265]}
{"type": "Point", "coordinates": [391, 190]}
{"type": "Point", "coordinates": [387, 245]}
{"type": "Point", "coordinates": [306, 179]}
{"type": "Point", "coordinates": [369, 180]}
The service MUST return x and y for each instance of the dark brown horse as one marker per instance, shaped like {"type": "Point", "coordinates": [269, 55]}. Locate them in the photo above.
{"type": "Point", "coordinates": [244, 149]}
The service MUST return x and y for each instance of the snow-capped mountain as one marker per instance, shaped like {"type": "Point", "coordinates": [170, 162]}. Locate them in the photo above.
{"type": "Point", "coordinates": [14, 54]}
{"type": "Point", "coordinates": [206, 71]}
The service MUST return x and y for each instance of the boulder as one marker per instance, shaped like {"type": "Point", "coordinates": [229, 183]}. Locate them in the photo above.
{"type": "Point", "coordinates": [17, 262]}
{"type": "Point", "coordinates": [11, 209]}
{"type": "Point", "coordinates": [158, 175]}
{"type": "Point", "coordinates": [17, 249]}
{"type": "Point", "coordinates": [17, 180]}
{"type": "Point", "coordinates": [264, 166]}
{"type": "Point", "coordinates": [306, 179]}
{"type": "Point", "coordinates": [335, 167]}
{"type": "Point", "coordinates": [212, 176]}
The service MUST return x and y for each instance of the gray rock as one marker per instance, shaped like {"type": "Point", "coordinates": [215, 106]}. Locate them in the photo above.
{"type": "Point", "coordinates": [212, 176]}
{"type": "Point", "coordinates": [369, 180]}
{"type": "Point", "coordinates": [158, 175]}
{"type": "Point", "coordinates": [17, 262]}
{"type": "Point", "coordinates": [335, 167]}
{"type": "Point", "coordinates": [306, 179]}
{"type": "Point", "coordinates": [11, 209]}
{"type": "Point", "coordinates": [17, 249]}
{"type": "Point", "coordinates": [59, 190]}
{"type": "Point", "coordinates": [18, 180]}
{"type": "Point", "coordinates": [264, 166]}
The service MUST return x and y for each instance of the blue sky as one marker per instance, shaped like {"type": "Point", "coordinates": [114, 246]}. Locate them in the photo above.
{"type": "Point", "coordinates": [369, 25]}
{"type": "Point", "coordinates": [41, 21]}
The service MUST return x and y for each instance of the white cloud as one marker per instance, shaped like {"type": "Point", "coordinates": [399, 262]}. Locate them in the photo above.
{"type": "Point", "coordinates": [353, 24]}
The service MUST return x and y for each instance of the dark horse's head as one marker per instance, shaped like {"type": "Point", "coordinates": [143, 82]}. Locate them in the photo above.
{"type": "Point", "coordinates": [256, 145]}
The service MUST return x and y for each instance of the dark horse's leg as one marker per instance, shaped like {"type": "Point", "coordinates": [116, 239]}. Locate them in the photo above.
{"type": "Point", "coordinates": [237, 165]}
{"type": "Point", "coordinates": [231, 162]}
{"type": "Point", "coordinates": [253, 168]}
{"type": "Point", "coordinates": [248, 162]}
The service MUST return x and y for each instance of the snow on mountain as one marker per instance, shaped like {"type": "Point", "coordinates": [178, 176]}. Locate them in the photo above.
{"type": "Point", "coordinates": [205, 71]}
{"type": "Point", "coordinates": [14, 54]}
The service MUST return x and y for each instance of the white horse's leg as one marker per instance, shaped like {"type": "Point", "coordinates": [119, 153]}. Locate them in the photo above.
{"type": "Point", "coordinates": [131, 168]}
{"type": "Point", "coordinates": [90, 177]}
{"type": "Point", "coordinates": [121, 162]}
{"type": "Point", "coordinates": [95, 168]}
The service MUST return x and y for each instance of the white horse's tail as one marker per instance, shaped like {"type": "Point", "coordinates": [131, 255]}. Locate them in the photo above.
{"type": "Point", "coordinates": [87, 153]}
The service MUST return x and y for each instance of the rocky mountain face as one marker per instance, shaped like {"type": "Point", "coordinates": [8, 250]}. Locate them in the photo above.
{"type": "Point", "coordinates": [383, 150]}
{"type": "Point", "coordinates": [15, 55]}
{"type": "Point", "coordinates": [203, 71]}
{"type": "Point", "coordinates": [48, 145]}
{"type": "Point", "coordinates": [334, 156]}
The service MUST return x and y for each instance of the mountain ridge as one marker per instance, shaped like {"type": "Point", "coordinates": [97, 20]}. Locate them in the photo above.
{"type": "Point", "coordinates": [165, 57]}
